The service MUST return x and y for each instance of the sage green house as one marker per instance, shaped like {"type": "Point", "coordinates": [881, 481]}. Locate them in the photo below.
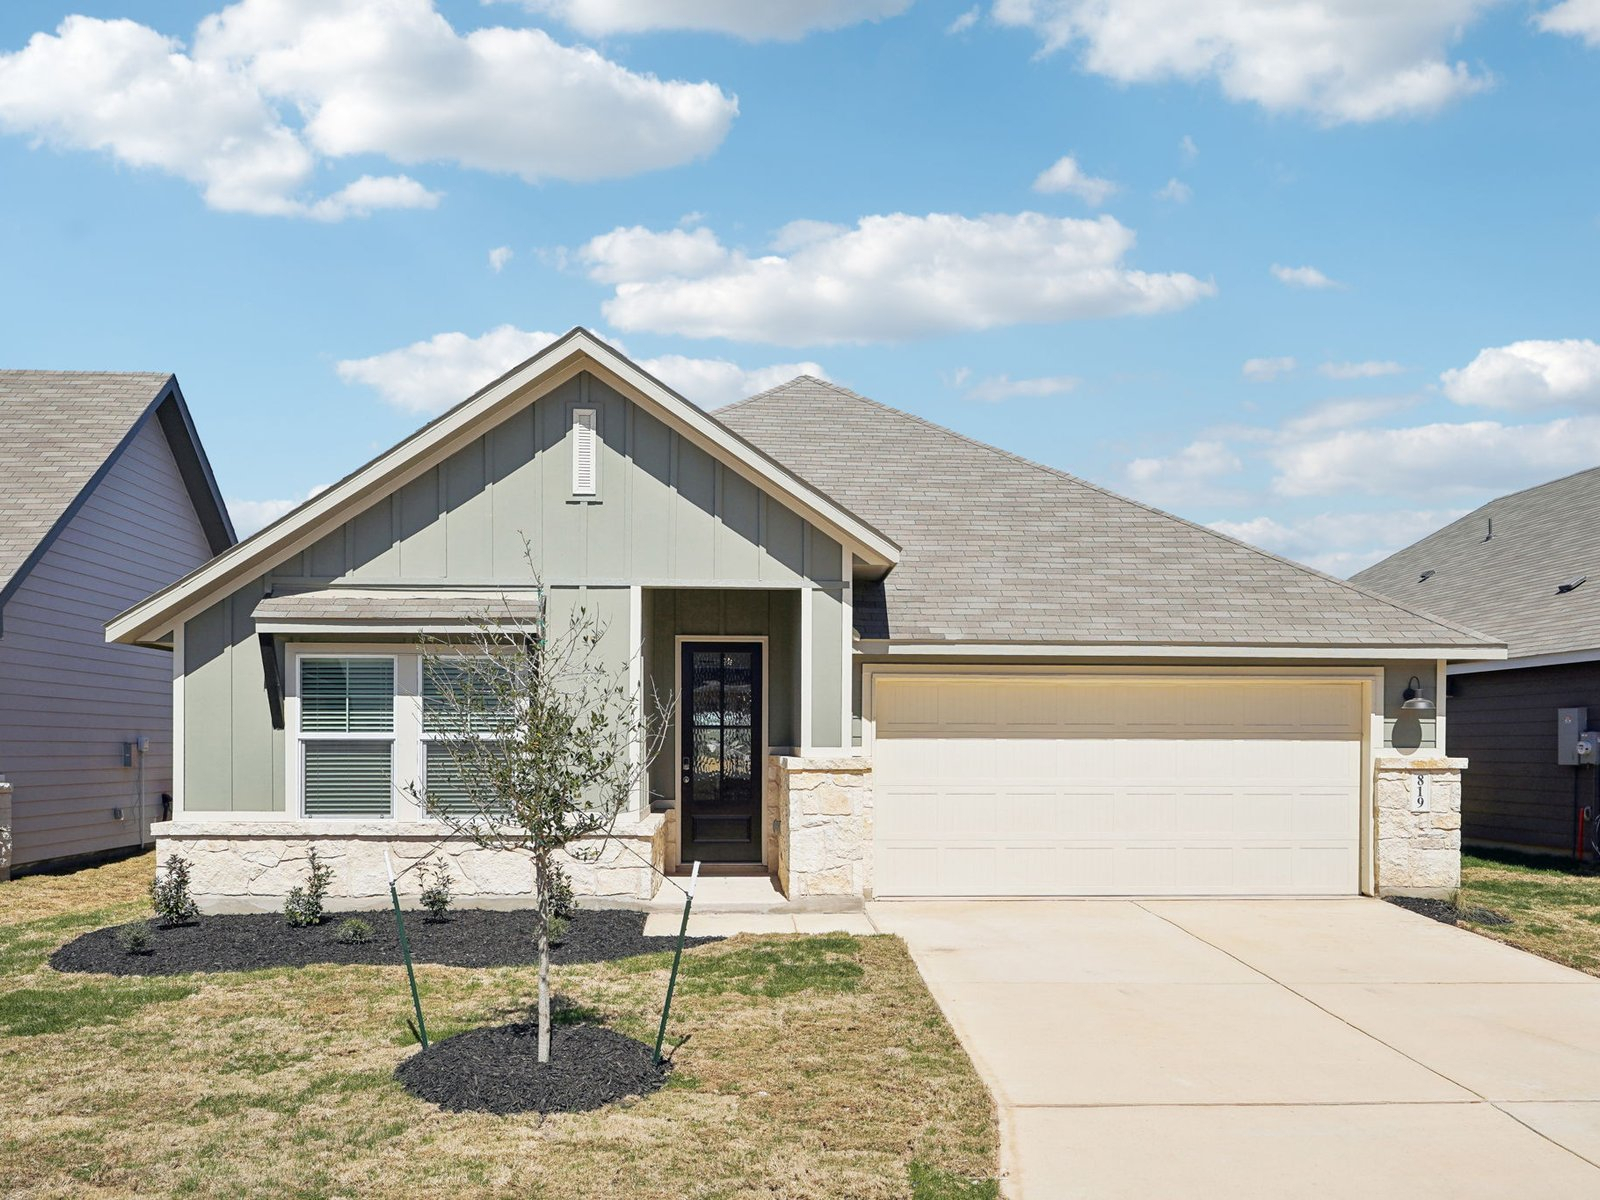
{"type": "Point", "coordinates": [901, 662]}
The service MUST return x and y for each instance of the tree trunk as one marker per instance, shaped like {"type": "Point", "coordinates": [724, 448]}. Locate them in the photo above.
{"type": "Point", "coordinates": [542, 887]}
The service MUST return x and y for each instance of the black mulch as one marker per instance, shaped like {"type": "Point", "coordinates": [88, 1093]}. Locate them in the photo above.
{"type": "Point", "coordinates": [497, 1070]}
{"type": "Point", "coordinates": [1447, 913]}
{"type": "Point", "coordinates": [471, 937]}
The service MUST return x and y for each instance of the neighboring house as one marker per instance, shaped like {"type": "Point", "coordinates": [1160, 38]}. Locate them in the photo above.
{"type": "Point", "coordinates": [1526, 569]}
{"type": "Point", "coordinates": [105, 493]}
{"type": "Point", "coordinates": [905, 663]}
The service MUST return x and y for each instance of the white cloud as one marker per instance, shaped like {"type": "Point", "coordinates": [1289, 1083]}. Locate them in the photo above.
{"type": "Point", "coordinates": [713, 382]}
{"type": "Point", "coordinates": [368, 194]}
{"type": "Point", "coordinates": [251, 515]}
{"type": "Point", "coordinates": [1191, 476]}
{"type": "Point", "coordinates": [1065, 175]}
{"type": "Point", "coordinates": [1265, 370]}
{"type": "Point", "coordinates": [1003, 387]}
{"type": "Point", "coordinates": [431, 375]}
{"type": "Point", "coordinates": [499, 257]}
{"type": "Point", "coordinates": [1370, 369]}
{"type": "Point", "coordinates": [1575, 18]}
{"type": "Point", "coordinates": [1188, 150]}
{"type": "Point", "coordinates": [964, 22]}
{"type": "Point", "coordinates": [1341, 414]}
{"type": "Point", "coordinates": [1443, 459]}
{"type": "Point", "coordinates": [1302, 277]}
{"type": "Point", "coordinates": [1525, 375]}
{"type": "Point", "coordinates": [271, 89]}
{"type": "Point", "coordinates": [753, 20]}
{"type": "Point", "coordinates": [1340, 60]}
{"type": "Point", "coordinates": [1176, 191]}
{"type": "Point", "coordinates": [891, 277]}
{"type": "Point", "coordinates": [1339, 543]}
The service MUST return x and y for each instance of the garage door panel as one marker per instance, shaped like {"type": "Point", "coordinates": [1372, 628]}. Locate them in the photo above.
{"type": "Point", "coordinates": [1203, 788]}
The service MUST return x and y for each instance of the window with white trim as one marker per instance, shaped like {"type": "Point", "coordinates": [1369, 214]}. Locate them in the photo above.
{"type": "Point", "coordinates": [459, 704]}
{"type": "Point", "coordinates": [346, 736]}
{"type": "Point", "coordinates": [585, 465]}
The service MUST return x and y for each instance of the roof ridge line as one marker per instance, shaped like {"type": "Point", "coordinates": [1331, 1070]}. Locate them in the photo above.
{"type": "Point", "coordinates": [1149, 508]}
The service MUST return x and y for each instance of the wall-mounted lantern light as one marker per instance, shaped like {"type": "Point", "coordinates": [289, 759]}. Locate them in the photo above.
{"type": "Point", "coordinates": [1413, 699]}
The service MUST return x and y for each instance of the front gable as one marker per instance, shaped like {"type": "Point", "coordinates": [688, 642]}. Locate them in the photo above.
{"type": "Point", "coordinates": [682, 500]}
{"type": "Point", "coordinates": [664, 512]}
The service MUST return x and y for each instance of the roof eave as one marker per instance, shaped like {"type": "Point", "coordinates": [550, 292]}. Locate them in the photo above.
{"type": "Point", "coordinates": [896, 648]}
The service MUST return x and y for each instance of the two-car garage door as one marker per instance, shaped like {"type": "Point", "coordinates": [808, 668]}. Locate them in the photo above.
{"type": "Point", "coordinates": [1062, 785]}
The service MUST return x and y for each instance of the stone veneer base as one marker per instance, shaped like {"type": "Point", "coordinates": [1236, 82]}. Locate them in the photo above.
{"type": "Point", "coordinates": [1417, 854]}
{"type": "Point", "coordinates": [250, 865]}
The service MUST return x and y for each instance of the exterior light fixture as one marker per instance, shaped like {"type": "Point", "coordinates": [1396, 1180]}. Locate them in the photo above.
{"type": "Point", "coordinates": [1413, 699]}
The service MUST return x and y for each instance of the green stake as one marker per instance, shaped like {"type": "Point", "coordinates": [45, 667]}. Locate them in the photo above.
{"type": "Point", "coordinates": [405, 951]}
{"type": "Point", "coordinates": [672, 981]}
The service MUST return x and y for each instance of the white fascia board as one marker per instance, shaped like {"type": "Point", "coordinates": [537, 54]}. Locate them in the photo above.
{"type": "Point", "coordinates": [577, 351]}
{"type": "Point", "coordinates": [1531, 660]}
{"type": "Point", "coordinates": [356, 628]}
{"type": "Point", "coordinates": [880, 648]}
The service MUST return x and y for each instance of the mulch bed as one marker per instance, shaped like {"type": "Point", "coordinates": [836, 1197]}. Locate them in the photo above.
{"type": "Point", "coordinates": [497, 1070]}
{"type": "Point", "coordinates": [1448, 914]}
{"type": "Point", "coordinates": [471, 937]}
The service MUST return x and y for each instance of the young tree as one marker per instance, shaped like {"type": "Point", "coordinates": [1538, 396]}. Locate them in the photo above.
{"type": "Point", "coordinates": [536, 743]}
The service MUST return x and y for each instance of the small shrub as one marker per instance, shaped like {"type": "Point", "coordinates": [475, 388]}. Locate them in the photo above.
{"type": "Point", "coordinates": [558, 929]}
{"type": "Point", "coordinates": [170, 896]}
{"type": "Point", "coordinates": [353, 932]}
{"type": "Point", "coordinates": [561, 897]}
{"type": "Point", "coordinates": [136, 939]}
{"type": "Point", "coordinates": [437, 895]}
{"type": "Point", "coordinates": [304, 904]}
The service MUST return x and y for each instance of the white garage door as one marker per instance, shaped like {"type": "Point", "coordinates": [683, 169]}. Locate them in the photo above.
{"type": "Point", "coordinates": [1077, 786]}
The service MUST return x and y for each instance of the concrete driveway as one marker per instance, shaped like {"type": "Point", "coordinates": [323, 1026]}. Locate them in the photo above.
{"type": "Point", "coordinates": [1265, 1048]}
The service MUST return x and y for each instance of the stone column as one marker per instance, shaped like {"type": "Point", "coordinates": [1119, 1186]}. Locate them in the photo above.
{"type": "Point", "coordinates": [825, 848]}
{"type": "Point", "coordinates": [8, 837]}
{"type": "Point", "coordinates": [1418, 853]}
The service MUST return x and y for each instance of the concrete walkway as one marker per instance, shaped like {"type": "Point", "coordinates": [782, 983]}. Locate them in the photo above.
{"type": "Point", "coordinates": [1273, 1049]}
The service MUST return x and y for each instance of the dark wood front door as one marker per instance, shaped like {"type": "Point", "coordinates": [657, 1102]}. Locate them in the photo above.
{"type": "Point", "coordinates": [721, 752]}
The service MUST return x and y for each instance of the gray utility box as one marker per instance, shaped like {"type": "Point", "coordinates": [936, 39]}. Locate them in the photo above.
{"type": "Point", "coordinates": [1570, 724]}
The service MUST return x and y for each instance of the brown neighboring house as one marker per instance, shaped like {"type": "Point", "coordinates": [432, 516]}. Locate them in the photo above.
{"type": "Point", "coordinates": [105, 493]}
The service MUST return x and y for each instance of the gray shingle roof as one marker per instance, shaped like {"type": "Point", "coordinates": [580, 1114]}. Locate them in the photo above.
{"type": "Point", "coordinates": [57, 428]}
{"type": "Point", "coordinates": [999, 549]}
{"type": "Point", "coordinates": [1506, 585]}
{"type": "Point", "coordinates": [402, 607]}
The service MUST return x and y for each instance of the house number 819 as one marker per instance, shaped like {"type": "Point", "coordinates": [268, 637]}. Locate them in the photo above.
{"type": "Point", "coordinates": [1421, 787]}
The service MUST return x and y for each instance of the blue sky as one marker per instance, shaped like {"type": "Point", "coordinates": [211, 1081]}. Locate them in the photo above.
{"type": "Point", "coordinates": [1318, 274]}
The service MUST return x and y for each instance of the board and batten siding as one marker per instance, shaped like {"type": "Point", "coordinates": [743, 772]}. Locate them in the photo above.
{"type": "Point", "coordinates": [1504, 722]}
{"type": "Point", "coordinates": [69, 700]}
{"type": "Point", "coordinates": [666, 517]}
{"type": "Point", "coordinates": [664, 513]}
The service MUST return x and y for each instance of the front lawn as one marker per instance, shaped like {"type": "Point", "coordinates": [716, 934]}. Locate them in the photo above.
{"type": "Point", "coordinates": [1554, 906]}
{"type": "Point", "coordinates": [812, 1067]}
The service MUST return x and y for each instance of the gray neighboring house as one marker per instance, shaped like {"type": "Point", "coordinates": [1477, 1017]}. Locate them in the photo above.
{"type": "Point", "coordinates": [105, 494]}
{"type": "Point", "coordinates": [1526, 569]}
{"type": "Point", "coordinates": [904, 663]}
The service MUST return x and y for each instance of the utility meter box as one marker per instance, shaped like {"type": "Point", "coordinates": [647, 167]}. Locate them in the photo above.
{"type": "Point", "coordinates": [1570, 725]}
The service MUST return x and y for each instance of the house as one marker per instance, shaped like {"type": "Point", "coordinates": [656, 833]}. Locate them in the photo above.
{"type": "Point", "coordinates": [1526, 569]}
{"type": "Point", "coordinates": [105, 494]}
{"type": "Point", "coordinates": [906, 663]}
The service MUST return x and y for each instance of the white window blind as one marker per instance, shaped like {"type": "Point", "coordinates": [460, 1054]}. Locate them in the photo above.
{"type": "Point", "coordinates": [585, 480]}
{"type": "Point", "coordinates": [347, 737]}
{"type": "Point", "coordinates": [458, 703]}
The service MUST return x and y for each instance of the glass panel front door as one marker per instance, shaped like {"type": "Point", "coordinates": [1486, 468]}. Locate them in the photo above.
{"type": "Point", "coordinates": [721, 750]}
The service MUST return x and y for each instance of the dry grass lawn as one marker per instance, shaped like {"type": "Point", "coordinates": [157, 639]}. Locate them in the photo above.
{"type": "Point", "coordinates": [813, 1067]}
{"type": "Point", "coordinates": [1554, 906]}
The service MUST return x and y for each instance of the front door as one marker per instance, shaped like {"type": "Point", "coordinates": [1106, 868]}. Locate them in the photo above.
{"type": "Point", "coordinates": [722, 750]}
